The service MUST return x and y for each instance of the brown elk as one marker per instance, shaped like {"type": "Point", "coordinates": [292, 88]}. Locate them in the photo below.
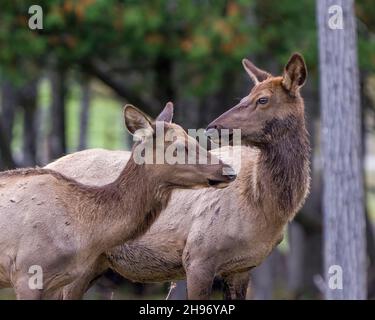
{"type": "Point", "coordinates": [208, 233]}
{"type": "Point", "coordinates": [62, 226]}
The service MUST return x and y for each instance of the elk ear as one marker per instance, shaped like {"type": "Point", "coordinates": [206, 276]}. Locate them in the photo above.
{"type": "Point", "coordinates": [136, 120]}
{"type": "Point", "coordinates": [295, 74]}
{"type": "Point", "coordinates": [257, 75]}
{"type": "Point", "coordinates": [167, 114]}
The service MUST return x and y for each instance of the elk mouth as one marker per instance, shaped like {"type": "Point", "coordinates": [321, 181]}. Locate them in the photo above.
{"type": "Point", "coordinates": [219, 184]}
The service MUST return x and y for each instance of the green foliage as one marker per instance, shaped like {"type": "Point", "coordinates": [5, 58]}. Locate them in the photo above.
{"type": "Point", "coordinates": [285, 27]}
{"type": "Point", "coordinates": [206, 38]}
{"type": "Point", "coordinates": [203, 39]}
{"type": "Point", "coordinates": [365, 10]}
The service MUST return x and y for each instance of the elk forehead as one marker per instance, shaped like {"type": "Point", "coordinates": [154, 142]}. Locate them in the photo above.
{"type": "Point", "coordinates": [179, 131]}
{"type": "Point", "coordinates": [265, 88]}
{"type": "Point", "coordinates": [175, 131]}
{"type": "Point", "coordinates": [269, 86]}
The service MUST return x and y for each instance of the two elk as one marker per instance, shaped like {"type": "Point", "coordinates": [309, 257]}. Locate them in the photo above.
{"type": "Point", "coordinates": [206, 233]}
{"type": "Point", "coordinates": [63, 226]}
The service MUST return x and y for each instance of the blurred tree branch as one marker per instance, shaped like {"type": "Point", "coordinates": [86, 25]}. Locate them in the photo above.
{"type": "Point", "coordinates": [123, 91]}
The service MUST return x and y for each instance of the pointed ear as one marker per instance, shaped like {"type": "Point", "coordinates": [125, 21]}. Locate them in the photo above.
{"type": "Point", "coordinates": [257, 75]}
{"type": "Point", "coordinates": [136, 120]}
{"type": "Point", "coordinates": [167, 113]}
{"type": "Point", "coordinates": [295, 74]}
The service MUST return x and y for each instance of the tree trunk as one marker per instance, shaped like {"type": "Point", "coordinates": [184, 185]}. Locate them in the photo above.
{"type": "Point", "coordinates": [343, 195]}
{"type": "Point", "coordinates": [84, 115]}
{"type": "Point", "coordinates": [28, 101]}
{"type": "Point", "coordinates": [8, 108]}
{"type": "Point", "coordinates": [56, 137]}
{"type": "Point", "coordinates": [7, 161]}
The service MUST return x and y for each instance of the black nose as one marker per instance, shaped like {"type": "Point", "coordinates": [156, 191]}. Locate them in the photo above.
{"type": "Point", "coordinates": [232, 177]}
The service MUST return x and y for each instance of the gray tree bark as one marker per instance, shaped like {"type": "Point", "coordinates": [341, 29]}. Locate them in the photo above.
{"type": "Point", "coordinates": [343, 193]}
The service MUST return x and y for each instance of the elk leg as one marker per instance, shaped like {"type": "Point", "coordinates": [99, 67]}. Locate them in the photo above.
{"type": "Point", "coordinates": [23, 290]}
{"type": "Point", "coordinates": [77, 289]}
{"type": "Point", "coordinates": [199, 281]}
{"type": "Point", "coordinates": [235, 285]}
{"type": "Point", "coordinates": [74, 291]}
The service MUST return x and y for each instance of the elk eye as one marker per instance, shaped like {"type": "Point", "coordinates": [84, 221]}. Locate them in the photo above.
{"type": "Point", "coordinates": [262, 100]}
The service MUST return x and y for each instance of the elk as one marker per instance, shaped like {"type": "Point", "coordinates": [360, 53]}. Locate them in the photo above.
{"type": "Point", "coordinates": [63, 226]}
{"type": "Point", "coordinates": [206, 233]}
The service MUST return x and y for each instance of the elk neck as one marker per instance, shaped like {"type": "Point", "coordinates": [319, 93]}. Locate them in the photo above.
{"type": "Point", "coordinates": [280, 178]}
{"type": "Point", "coordinates": [125, 208]}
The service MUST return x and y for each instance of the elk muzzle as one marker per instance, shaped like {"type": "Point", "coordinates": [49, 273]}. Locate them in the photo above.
{"type": "Point", "coordinates": [222, 179]}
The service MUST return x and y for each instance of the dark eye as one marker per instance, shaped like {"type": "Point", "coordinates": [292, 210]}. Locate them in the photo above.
{"type": "Point", "coordinates": [262, 100]}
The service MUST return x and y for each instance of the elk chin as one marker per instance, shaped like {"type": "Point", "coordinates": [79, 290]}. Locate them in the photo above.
{"type": "Point", "coordinates": [218, 184]}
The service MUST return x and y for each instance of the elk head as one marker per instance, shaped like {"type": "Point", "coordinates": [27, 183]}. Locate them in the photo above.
{"type": "Point", "coordinates": [171, 155]}
{"type": "Point", "coordinates": [271, 108]}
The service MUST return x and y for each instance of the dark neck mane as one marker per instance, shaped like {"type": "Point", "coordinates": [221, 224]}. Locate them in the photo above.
{"type": "Point", "coordinates": [282, 177]}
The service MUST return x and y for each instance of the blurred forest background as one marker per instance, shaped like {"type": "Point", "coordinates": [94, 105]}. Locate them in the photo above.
{"type": "Point", "coordinates": [63, 87]}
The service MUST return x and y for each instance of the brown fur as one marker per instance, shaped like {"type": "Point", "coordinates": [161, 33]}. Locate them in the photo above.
{"type": "Point", "coordinates": [279, 162]}
{"type": "Point", "coordinates": [153, 197]}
